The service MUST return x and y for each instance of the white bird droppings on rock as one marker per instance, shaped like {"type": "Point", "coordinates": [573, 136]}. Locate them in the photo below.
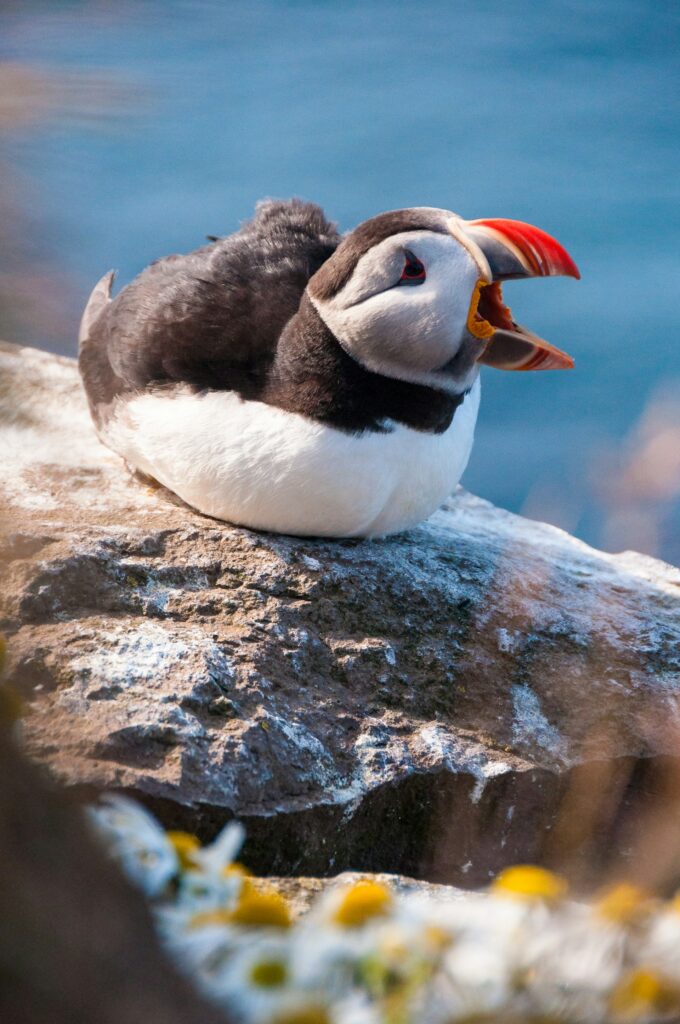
{"type": "Point", "coordinates": [530, 726]}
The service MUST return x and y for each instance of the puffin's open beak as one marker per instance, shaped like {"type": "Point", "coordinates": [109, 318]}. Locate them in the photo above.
{"type": "Point", "coordinates": [503, 250]}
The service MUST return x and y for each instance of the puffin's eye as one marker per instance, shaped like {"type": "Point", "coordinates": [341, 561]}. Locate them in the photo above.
{"type": "Point", "coordinates": [414, 270]}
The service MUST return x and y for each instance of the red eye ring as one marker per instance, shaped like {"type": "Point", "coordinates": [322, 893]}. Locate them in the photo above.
{"type": "Point", "coordinates": [414, 270]}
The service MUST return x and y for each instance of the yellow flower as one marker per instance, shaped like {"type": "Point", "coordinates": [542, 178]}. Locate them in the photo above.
{"type": "Point", "coordinates": [269, 974]}
{"type": "Point", "coordinates": [527, 882]}
{"type": "Point", "coordinates": [185, 846]}
{"type": "Point", "coordinates": [304, 1015]}
{"type": "Point", "coordinates": [622, 903]}
{"type": "Point", "coordinates": [261, 909]}
{"type": "Point", "coordinates": [236, 869]}
{"type": "Point", "coordinates": [361, 902]}
{"type": "Point", "coordinates": [642, 992]}
{"type": "Point", "coordinates": [256, 908]}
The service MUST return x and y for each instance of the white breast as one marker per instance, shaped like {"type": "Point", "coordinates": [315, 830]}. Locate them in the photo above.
{"type": "Point", "coordinates": [258, 466]}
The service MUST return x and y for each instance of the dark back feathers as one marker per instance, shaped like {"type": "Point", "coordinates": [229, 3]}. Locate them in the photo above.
{"type": "Point", "coordinates": [210, 318]}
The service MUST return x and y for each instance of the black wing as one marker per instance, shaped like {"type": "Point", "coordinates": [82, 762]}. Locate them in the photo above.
{"type": "Point", "coordinates": [211, 318]}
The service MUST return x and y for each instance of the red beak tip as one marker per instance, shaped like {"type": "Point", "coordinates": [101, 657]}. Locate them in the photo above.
{"type": "Point", "coordinates": [571, 270]}
{"type": "Point", "coordinates": [543, 254]}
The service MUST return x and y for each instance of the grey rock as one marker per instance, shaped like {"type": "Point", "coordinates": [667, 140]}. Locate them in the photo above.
{"type": "Point", "coordinates": [426, 704]}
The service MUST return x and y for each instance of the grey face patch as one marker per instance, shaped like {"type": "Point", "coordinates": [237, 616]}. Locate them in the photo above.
{"type": "Point", "coordinates": [338, 269]}
{"type": "Point", "coordinates": [463, 364]}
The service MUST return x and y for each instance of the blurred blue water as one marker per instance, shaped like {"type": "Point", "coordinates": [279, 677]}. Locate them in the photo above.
{"type": "Point", "coordinates": [563, 114]}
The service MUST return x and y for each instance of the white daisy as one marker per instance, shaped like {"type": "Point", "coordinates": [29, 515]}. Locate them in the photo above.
{"type": "Point", "coordinates": [136, 841]}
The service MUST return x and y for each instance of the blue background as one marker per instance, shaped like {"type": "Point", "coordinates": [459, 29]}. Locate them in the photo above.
{"type": "Point", "coordinates": [562, 114]}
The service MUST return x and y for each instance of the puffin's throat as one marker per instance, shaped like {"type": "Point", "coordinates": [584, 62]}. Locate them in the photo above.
{"type": "Point", "coordinates": [488, 311]}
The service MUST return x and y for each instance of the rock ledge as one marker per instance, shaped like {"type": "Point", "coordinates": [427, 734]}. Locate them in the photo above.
{"type": "Point", "coordinates": [419, 704]}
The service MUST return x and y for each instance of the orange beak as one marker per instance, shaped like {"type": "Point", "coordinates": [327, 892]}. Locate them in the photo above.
{"type": "Point", "coordinates": [504, 250]}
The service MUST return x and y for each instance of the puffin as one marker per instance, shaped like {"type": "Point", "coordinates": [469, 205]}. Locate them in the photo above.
{"type": "Point", "coordinates": [290, 379]}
